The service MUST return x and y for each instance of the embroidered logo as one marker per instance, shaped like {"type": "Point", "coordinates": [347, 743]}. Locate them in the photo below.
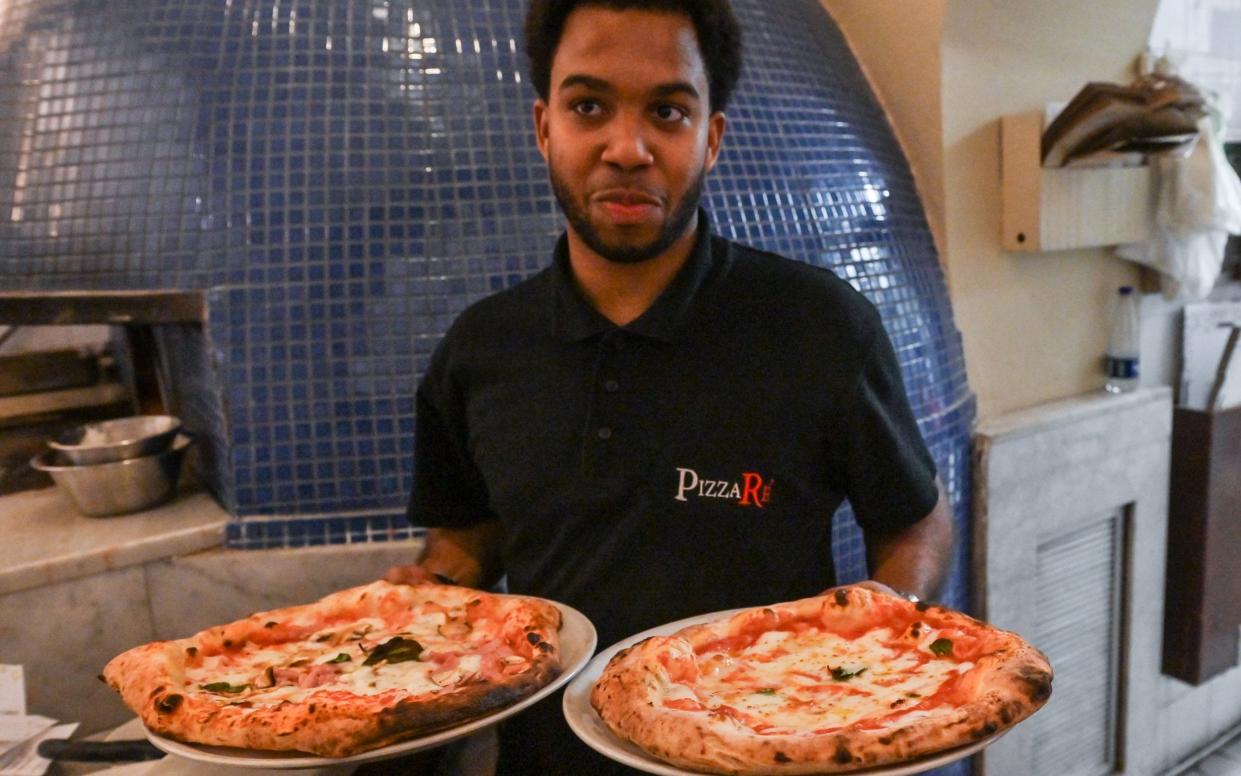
{"type": "Point", "coordinates": [750, 491]}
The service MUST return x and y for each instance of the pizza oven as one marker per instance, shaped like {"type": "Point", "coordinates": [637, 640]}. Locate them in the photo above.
{"type": "Point", "coordinates": [337, 181]}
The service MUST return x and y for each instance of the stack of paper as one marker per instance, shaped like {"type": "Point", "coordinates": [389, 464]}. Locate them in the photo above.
{"type": "Point", "coordinates": [20, 733]}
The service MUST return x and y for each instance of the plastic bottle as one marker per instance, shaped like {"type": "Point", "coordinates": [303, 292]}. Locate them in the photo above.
{"type": "Point", "coordinates": [1122, 347]}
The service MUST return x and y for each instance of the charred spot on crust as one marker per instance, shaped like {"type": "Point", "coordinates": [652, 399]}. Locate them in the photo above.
{"type": "Point", "coordinates": [842, 755]}
{"type": "Point", "coordinates": [781, 757]}
{"type": "Point", "coordinates": [269, 624]}
{"type": "Point", "coordinates": [168, 704]}
{"type": "Point", "coordinates": [191, 651]}
{"type": "Point", "coordinates": [310, 709]}
{"type": "Point", "coordinates": [922, 606]}
{"type": "Point", "coordinates": [986, 730]}
{"type": "Point", "coordinates": [842, 598]}
{"type": "Point", "coordinates": [885, 740]}
{"type": "Point", "coordinates": [1037, 684]}
{"type": "Point", "coordinates": [228, 643]}
{"type": "Point", "coordinates": [100, 678]}
{"type": "Point", "coordinates": [1006, 714]}
{"type": "Point", "coordinates": [544, 646]}
{"type": "Point", "coordinates": [533, 638]}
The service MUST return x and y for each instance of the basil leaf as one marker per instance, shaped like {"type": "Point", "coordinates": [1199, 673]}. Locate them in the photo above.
{"type": "Point", "coordinates": [941, 647]}
{"type": "Point", "coordinates": [842, 674]}
{"type": "Point", "coordinates": [394, 650]}
{"type": "Point", "coordinates": [224, 687]}
{"type": "Point", "coordinates": [343, 657]}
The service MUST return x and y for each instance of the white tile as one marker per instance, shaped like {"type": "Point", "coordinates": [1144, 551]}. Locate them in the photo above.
{"type": "Point", "coordinates": [1225, 701]}
{"type": "Point", "coordinates": [64, 634]}
{"type": "Point", "coordinates": [210, 588]}
{"type": "Point", "coordinates": [1188, 723]}
{"type": "Point", "coordinates": [1219, 765]}
{"type": "Point", "coordinates": [1232, 750]}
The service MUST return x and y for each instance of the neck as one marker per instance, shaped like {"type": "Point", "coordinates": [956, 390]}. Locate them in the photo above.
{"type": "Point", "coordinates": [622, 292]}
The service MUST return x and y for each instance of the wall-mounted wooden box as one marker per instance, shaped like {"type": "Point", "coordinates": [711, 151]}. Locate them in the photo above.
{"type": "Point", "coordinates": [1202, 601]}
{"type": "Point", "coordinates": [1051, 209]}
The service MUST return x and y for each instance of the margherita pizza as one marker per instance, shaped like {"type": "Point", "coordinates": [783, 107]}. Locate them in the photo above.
{"type": "Point", "coordinates": [835, 683]}
{"type": "Point", "coordinates": [357, 670]}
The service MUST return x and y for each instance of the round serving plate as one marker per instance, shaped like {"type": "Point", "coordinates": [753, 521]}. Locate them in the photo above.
{"type": "Point", "coordinates": [594, 732]}
{"type": "Point", "coordinates": [577, 644]}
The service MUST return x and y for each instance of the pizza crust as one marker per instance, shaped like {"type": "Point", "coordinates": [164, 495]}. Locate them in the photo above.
{"type": "Point", "coordinates": [1007, 683]}
{"type": "Point", "coordinates": [331, 721]}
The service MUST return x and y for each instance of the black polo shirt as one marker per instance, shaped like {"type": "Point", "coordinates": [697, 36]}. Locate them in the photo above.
{"type": "Point", "coordinates": [687, 462]}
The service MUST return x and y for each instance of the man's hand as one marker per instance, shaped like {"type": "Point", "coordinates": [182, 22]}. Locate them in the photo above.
{"type": "Point", "coordinates": [462, 556]}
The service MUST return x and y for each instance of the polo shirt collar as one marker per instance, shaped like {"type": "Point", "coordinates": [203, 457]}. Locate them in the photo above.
{"type": "Point", "coordinates": [574, 318]}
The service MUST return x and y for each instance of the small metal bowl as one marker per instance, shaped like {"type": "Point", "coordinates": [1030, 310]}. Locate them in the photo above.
{"type": "Point", "coordinates": [116, 440]}
{"type": "Point", "coordinates": [120, 487]}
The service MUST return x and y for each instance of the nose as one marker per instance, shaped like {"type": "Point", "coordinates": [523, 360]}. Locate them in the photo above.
{"type": "Point", "coordinates": [627, 145]}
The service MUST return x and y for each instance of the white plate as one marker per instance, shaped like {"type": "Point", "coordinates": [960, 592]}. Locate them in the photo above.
{"type": "Point", "coordinates": [591, 728]}
{"type": "Point", "coordinates": [577, 644]}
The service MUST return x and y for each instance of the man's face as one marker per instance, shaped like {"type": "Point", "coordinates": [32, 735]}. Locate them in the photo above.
{"type": "Point", "coordinates": [627, 130]}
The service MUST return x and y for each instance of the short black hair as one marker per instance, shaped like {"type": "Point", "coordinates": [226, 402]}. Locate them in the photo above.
{"type": "Point", "coordinates": [719, 38]}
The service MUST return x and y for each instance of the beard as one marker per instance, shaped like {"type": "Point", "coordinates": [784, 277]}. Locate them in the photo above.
{"type": "Point", "coordinates": [629, 253]}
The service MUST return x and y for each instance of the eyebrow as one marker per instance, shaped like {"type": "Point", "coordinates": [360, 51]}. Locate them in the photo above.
{"type": "Point", "coordinates": [600, 85]}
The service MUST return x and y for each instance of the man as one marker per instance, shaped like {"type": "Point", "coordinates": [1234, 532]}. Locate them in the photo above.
{"type": "Point", "coordinates": [662, 423]}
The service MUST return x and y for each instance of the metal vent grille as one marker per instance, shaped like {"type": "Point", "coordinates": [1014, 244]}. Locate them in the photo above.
{"type": "Point", "coordinates": [1078, 627]}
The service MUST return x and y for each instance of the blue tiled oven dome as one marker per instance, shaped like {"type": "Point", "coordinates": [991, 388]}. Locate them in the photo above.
{"type": "Point", "coordinates": [341, 179]}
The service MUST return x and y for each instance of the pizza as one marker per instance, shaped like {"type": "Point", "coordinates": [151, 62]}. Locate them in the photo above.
{"type": "Point", "coordinates": [356, 670]}
{"type": "Point", "coordinates": [848, 680]}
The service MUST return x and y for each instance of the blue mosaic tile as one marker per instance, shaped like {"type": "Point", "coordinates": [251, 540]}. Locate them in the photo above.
{"type": "Point", "coordinates": [271, 533]}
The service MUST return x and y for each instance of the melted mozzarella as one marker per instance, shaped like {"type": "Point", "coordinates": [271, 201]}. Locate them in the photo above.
{"type": "Point", "coordinates": [784, 681]}
{"type": "Point", "coordinates": [459, 661]}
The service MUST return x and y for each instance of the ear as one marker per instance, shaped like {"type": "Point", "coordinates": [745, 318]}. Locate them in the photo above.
{"type": "Point", "coordinates": [540, 125]}
{"type": "Point", "coordinates": [715, 136]}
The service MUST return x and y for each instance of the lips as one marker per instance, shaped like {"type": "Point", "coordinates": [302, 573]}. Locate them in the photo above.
{"type": "Point", "coordinates": [625, 206]}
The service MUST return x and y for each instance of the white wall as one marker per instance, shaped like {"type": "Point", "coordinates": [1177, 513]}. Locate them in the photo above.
{"type": "Point", "coordinates": [1034, 325]}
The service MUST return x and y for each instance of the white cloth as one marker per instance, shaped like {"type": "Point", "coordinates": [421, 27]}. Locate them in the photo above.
{"type": "Point", "coordinates": [1198, 203]}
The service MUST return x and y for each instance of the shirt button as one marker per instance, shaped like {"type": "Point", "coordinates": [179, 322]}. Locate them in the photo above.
{"type": "Point", "coordinates": [604, 433]}
{"type": "Point", "coordinates": [611, 386]}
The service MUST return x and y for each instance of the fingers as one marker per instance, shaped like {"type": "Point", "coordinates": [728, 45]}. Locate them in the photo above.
{"type": "Point", "coordinates": [407, 575]}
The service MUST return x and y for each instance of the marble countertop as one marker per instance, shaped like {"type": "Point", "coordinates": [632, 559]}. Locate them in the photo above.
{"type": "Point", "coordinates": [47, 541]}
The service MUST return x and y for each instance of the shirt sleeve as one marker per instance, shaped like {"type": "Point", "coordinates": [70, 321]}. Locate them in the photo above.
{"type": "Point", "coordinates": [448, 489]}
{"type": "Point", "coordinates": [890, 475]}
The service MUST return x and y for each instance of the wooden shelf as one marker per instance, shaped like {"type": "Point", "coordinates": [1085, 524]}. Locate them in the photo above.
{"type": "Point", "coordinates": [1053, 209]}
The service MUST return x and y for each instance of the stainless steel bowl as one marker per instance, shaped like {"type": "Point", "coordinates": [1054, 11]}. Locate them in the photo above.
{"type": "Point", "coordinates": [120, 487]}
{"type": "Point", "coordinates": [117, 440]}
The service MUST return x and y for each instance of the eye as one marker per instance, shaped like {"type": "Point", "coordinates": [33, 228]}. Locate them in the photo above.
{"type": "Point", "coordinates": [670, 113]}
{"type": "Point", "coordinates": [587, 108]}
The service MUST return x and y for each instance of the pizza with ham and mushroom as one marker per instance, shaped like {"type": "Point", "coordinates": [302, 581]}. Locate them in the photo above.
{"type": "Point", "coordinates": [849, 680]}
{"type": "Point", "coordinates": [354, 671]}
